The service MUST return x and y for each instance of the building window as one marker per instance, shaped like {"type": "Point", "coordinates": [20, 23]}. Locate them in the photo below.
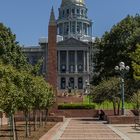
{"type": "Point", "coordinates": [80, 68]}
{"type": "Point", "coordinates": [63, 83]}
{"type": "Point", "coordinates": [63, 13]}
{"type": "Point", "coordinates": [73, 27]}
{"type": "Point", "coordinates": [66, 28]}
{"type": "Point", "coordinates": [73, 11]}
{"type": "Point", "coordinates": [80, 60]}
{"type": "Point", "coordinates": [63, 61]}
{"type": "Point", "coordinates": [79, 27]}
{"type": "Point", "coordinates": [85, 28]}
{"type": "Point", "coordinates": [63, 68]}
{"type": "Point", "coordinates": [78, 11]}
{"type": "Point", "coordinates": [71, 83]}
{"type": "Point", "coordinates": [80, 83]}
{"type": "Point", "coordinates": [71, 61]}
{"type": "Point", "coordinates": [60, 29]}
{"type": "Point", "coordinates": [68, 12]}
{"type": "Point", "coordinates": [82, 12]}
{"type": "Point", "coordinates": [72, 69]}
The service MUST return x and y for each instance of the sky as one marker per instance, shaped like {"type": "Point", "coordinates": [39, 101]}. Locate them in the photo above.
{"type": "Point", "coordinates": [28, 19]}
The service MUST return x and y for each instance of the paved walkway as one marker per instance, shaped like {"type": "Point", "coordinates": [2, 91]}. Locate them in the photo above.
{"type": "Point", "coordinates": [86, 129]}
{"type": "Point", "coordinates": [129, 130]}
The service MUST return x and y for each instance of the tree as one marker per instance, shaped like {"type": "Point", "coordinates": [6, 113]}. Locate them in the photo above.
{"type": "Point", "coordinates": [136, 63]}
{"type": "Point", "coordinates": [10, 50]}
{"type": "Point", "coordinates": [10, 94]}
{"type": "Point", "coordinates": [21, 85]}
{"type": "Point", "coordinates": [108, 90]}
{"type": "Point", "coordinates": [136, 100]}
{"type": "Point", "coordinates": [117, 45]}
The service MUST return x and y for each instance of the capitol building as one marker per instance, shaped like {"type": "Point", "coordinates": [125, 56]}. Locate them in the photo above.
{"type": "Point", "coordinates": [71, 67]}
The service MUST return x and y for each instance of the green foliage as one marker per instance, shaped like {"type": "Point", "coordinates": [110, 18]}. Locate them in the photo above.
{"type": "Point", "coordinates": [136, 63]}
{"type": "Point", "coordinates": [10, 51]}
{"type": "Point", "coordinates": [136, 100]}
{"type": "Point", "coordinates": [21, 87]}
{"type": "Point", "coordinates": [117, 45]}
{"type": "Point", "coordinates": [106, 90]}
{"type": "Point", "coordinates": [19, 90]}
{"type": "Point", "coordinates": [36, 69]}
{"type": "Point", "coordinates": [76, 106]}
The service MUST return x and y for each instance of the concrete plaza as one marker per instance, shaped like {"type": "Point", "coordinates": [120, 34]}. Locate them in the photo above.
{"type": "Point", "coordinates": [91, 129]}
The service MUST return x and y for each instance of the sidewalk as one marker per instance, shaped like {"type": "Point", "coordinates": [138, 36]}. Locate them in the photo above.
{"type": "Point", "coordinates": [129, 130]}
{"type": "Point", "coordinates": [85, 129]}
{"type": "Point", "coordinates": [91, 129]}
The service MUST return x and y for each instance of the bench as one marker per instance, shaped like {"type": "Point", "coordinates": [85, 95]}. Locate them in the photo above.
{"type": "Point", "coordinates": [137, 122]}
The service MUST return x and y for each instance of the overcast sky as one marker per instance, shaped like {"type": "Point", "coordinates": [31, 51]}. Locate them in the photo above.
{"type": "Point", "coordinates": [28, 19]}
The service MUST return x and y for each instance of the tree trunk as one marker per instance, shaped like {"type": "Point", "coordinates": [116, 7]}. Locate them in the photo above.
{"type": "Point", "coordinates": [118, 108]}
{"type": "Point", "coordinates": [10, 126]}
{"type": "Point", "coordinates": [26, 126]}
{"type": "Point", "coordinates": [35, 119]}
{"type": "Point", "coordinates": [46, 115]}
{"type": "Point", "coordinates": [13, 127]}
{"type": "Point", "coordinates": [29, 124]}
{"type": "Point", "coordinates": [114, 107]}
{"type": "Point", "coordinates": [40, 119]}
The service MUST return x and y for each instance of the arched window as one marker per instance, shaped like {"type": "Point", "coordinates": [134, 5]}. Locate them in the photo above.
{"type": "Point", "coordinates": [68, 11]}
{"type": "Point", "coordinates": [71, 83]}
{"type": "Point", "coordinates": [63, 83]}
{"type": "Point", "coordinates": [80, 83]}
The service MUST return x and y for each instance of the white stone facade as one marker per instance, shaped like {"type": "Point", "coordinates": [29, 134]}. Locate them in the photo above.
{"type": "Point", "coordinates": [73, 49]}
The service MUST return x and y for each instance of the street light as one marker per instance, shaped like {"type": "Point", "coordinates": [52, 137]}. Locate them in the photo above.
{"type": "Point", "coordinates": [122, 69]}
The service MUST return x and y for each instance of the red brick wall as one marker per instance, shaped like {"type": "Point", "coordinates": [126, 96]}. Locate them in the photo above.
{"type": "Point", "coordinates": [69, 99]}
{"type": "Point", "coordinates": [81, 112]}
{"type": "Point", "coordinates": [52, 56]}
{"type": "Point", "coordinates": [120, 119]}
{"type": "Point", "coordinates": [19, 116]}
{"type": "Point", "coordinates": [76, 113]}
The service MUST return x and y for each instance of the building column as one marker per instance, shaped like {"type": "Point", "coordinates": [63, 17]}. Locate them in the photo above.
{"type": "Point", "coordinates": [67, 82]}
{"type": "Point", "coordinates": [75, 28]}
{"type": "Point", "coordinates": [87, 61]}
{"type": "Point", "coordinates": [67, 61]}
{"type": "Point", "coordinates": [69, 29]}
{"type": "Point", "coordinates": [76, 65]}
{"type": "Point", "coordinates": [63, 29]}
{"type": "Point", "coordinates": [82, 28]}
{"type": "Point", "coordinates": [84, 61]}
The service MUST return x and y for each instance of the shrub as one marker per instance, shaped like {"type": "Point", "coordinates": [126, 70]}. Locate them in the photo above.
{"type": "Point", "coordinates": [76, 106]}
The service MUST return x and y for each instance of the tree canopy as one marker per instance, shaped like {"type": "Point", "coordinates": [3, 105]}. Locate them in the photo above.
{"type": "Point", "coordinates": [136, 63]}
{"type": "Point", "coordinates": [10, 50]}
{"type": "Point", "coordinates": [21, 87]}
{"type": "Point", "coordinates": [116, 45]}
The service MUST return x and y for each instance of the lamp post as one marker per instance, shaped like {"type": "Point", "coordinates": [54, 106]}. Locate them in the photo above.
{"type": "Point", "coordinates": [122, 69]}
{"type": "Point", "coordinates": [87, 91]}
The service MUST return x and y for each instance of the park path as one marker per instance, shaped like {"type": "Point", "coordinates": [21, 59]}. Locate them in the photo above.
{"type": "Point", "coordinates": [86, 129]}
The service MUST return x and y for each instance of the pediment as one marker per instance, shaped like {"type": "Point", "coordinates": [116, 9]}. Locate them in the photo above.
{"type": "Point", "coordinates": [72, 42]}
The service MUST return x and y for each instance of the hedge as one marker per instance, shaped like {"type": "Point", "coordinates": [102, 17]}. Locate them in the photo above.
{"type": "Point", "coordinates": [76, 106]}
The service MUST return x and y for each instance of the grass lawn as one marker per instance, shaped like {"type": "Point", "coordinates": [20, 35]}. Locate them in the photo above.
{"type": "Point", "coordinates": [106, 104]}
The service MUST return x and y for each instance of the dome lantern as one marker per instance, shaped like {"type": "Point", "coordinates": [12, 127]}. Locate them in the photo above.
{"type": "Point", "coordinates": [76, 2]}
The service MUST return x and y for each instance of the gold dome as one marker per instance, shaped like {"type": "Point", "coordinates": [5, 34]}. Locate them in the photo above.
{"type": "Point", "coordinates": [79, 2]}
